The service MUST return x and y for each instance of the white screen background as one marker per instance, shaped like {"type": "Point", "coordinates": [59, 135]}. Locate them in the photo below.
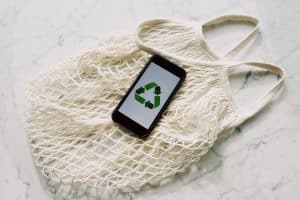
{"type": "Point", "coordinates": [137, 111]}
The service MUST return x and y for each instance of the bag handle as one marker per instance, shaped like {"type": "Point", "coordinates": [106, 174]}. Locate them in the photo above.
{"type": "Point", "coordinates": [199, 31]}
{"type": "Point", "coordinates": [266, 98]}
{"type": "Point", "coordinates": [236, 18]}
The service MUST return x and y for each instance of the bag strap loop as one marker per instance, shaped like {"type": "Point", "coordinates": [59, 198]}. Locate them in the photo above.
{"type": "Point", "coordinates": [235, 18]}
{"type": "Point", "coordinates": [266, 98]}
{"type": "Point", "coordinates": [199, 32]}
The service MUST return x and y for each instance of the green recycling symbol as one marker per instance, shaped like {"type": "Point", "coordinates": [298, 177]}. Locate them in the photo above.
{"type": "Point", "coordinates": [148, 104]}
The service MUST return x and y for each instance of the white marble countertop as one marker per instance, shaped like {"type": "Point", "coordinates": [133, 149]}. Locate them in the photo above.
{"type": "Point", "coordinates": [259, 161]}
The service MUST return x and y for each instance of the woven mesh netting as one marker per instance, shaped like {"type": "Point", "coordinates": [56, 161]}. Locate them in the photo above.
{"type": "Point", "coordinates": [74, 139]}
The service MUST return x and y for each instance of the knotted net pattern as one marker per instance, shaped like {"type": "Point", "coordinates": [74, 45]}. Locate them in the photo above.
{"type": "Point", "coordinates": [68, 116]}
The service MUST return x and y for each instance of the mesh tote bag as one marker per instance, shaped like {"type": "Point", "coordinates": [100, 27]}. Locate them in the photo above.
{"type": "Point", "coordinates": [68, 117]}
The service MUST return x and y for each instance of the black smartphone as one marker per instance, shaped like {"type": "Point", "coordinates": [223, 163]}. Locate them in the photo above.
{"type": "Point", "coordinates": [148, 97]}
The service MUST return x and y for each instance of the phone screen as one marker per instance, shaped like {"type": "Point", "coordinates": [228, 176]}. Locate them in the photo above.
{"type": "Point", "coordinates": [149, 95]}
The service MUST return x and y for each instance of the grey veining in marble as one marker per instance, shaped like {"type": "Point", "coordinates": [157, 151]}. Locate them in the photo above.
{"type": "Point", "coordinates": [259, 161]}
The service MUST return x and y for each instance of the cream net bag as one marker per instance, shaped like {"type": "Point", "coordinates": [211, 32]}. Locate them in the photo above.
{"type": "Point", "coordinates": [68, 116]}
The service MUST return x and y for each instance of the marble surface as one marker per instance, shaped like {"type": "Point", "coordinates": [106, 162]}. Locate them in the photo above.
{"type": "Point", "coordinates": [259, 161]}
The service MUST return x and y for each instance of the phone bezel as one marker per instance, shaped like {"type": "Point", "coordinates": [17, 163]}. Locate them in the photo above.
{"type": "Point", "coordinates": [138, 129]}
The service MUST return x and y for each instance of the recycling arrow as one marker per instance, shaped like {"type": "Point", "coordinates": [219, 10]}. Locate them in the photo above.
{"type": "Point", "coordinates": [148, 104]}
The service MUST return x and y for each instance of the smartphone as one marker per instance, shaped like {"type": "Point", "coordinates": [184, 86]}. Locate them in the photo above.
{"type": "Point", "coordinates": [142, 106]}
